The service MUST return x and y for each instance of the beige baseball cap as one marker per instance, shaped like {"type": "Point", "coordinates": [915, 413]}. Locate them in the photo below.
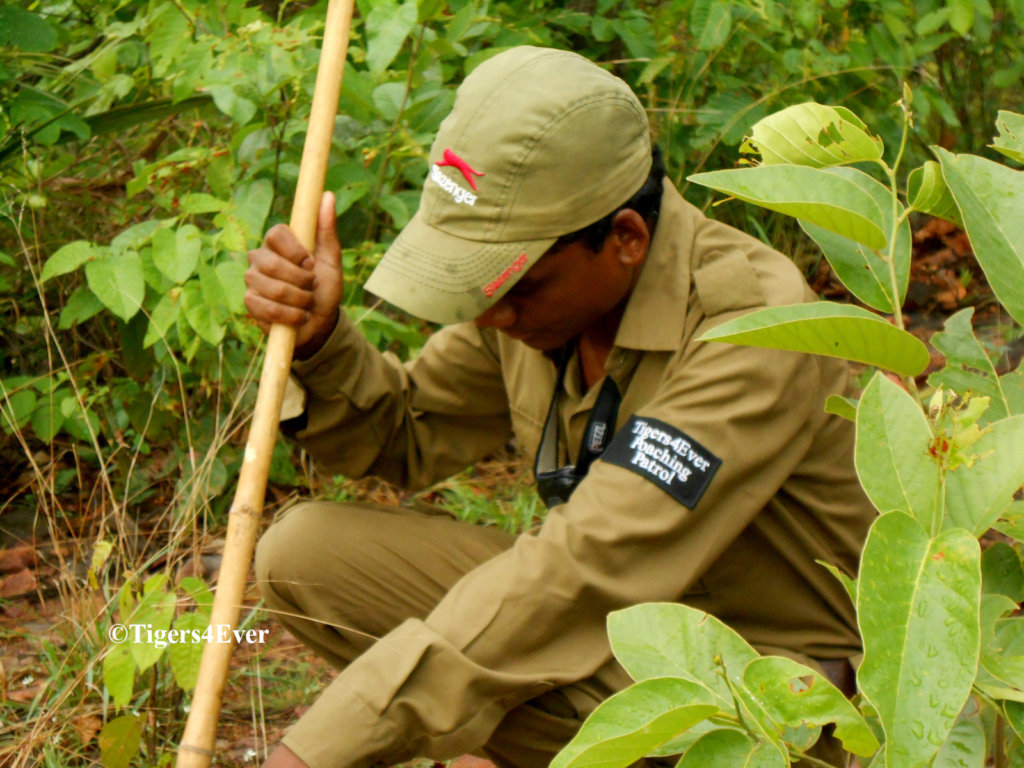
{"type": "Point", "coordinates": [540, 143]}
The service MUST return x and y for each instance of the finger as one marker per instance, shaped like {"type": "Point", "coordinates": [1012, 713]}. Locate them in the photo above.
{"type": "Point", "coordinates": [279, 291]}
{"type": "Point", "coordinates": [283, 242]}
{"type": "Point", "coordinates": [328, 249]}
{"type": "Point", "coordinates": [271, 264]}
{"type": "Point", "coordinates": [266, 311]}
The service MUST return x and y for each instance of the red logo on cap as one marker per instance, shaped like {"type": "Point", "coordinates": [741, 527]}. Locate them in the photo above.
{"type": "Point", "coordinates": [510, 270]}
{"type": "Point", "coordinates": [450, 158]}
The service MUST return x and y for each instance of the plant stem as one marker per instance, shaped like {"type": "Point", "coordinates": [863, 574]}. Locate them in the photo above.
{"type": "Point", "coordinates": [812, 760]}
{"type": "Point", "coordinates": [371, 227]}
{"type": "Point", "coordinates": [898, 220]}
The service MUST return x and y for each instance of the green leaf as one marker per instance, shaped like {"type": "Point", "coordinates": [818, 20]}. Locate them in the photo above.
{"type": "Point", "coordinates": [200, 314]}
{"type": "Point", "coordinates": [669, 639]}
{"type": "Point", "coordinates": [387, 27]}
{"type": "Point", "coordinates": [891, 453]}
{"type": "Point", "coordinates": [48, 418]}
{"type": "Point", "coordinates": [119, 673]}
{"type": "Point", "coordinates": [20, 406]}
{"type": "Point", "coordinates": [727, 748]}
{"type": "Point", "coordinates": [965, 747]}
{"type": "Point", "coordinates": [1014, 712]}
{"type": "Point", "coordinates": [163, 318]}
{"type": "Point", "coordinates": [842, 406]}
{"type": "Point", "coordinates": [990, 197]}
{"type": "Point", "coordinates": [155, 609]}
{"type": "Point", "coordinates": [25, 31]}
{"type": "Point", "coordinates": [810, 194]}
{"type": "Point", "coordinates": [849, 584]}
{"type": "Point", "coordinates": [196, 589]}
{"type": "Point", "coordinates": [231, 103]}
{"type": "Point", "coordinates": [630, 724]}
{"type": "Point", "coordinates": [81, 305]}
{"type": "Point", "coordinates": [813, 135]}
{"type": "Point", "coordinates": [978, 494]}
{"type": "Point", "coordinates": [201, 202]}
{"type": "Point", "coordinates": [968, 367]}
{"type": "Point", "coordinates": [184, 656]}
{"type": "Point", "coordinates": [927, 192]}
{"type": "Point", "coordinates": [116, 280]}
{"type": "Point", "coordinates": [120, 740]}
{"type": "Point", "coordinates": [176, 252]}
{"type": "Point", "coordinates": [961, 17]}
{"type": "Point", "coordinates": [1010, 140]}
{"type": "Point", "coordinates": [231, 275]}
{"type": "Point", "coordinates": [826, 328]}
{"type": "Point", "coordinates": [918, 608]}
{"type": "Point", "coordinates": [710, 23]}
{"type": "Point", "coordinates": [68, 258]}
{"type": "Point", "coordinates": [795, 695]}
{"type": "Point", "coordinates": [1002, 572]}
{"type": "Point", "coordinates": [864, 270]}
{"type": "Point", "coordinates": [252, 204]}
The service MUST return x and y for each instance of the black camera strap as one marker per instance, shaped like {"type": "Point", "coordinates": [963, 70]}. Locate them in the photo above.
{"type": "Point", "coordinates": [555, 485]}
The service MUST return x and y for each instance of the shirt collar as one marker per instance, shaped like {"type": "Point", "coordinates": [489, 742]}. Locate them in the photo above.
{"type": "Point", "coordinates": [655, 314]}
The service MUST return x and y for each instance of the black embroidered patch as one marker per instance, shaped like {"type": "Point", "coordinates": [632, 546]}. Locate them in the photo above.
{"type": "Point", "coordinates": [666, 456]}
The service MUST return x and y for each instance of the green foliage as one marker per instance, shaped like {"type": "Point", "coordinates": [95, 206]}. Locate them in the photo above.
{"type": "Point", "coordinates": [943, 654]}
{"type": "Point", "coordinates": [145, 146]}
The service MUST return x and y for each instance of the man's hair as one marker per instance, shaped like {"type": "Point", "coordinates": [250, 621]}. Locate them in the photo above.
{"type": "Point", "coordinates": [646, 202]}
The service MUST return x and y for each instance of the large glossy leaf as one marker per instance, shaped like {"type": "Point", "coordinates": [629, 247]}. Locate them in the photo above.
{"type": "Point", "coordinates": [1010, 140]}
{"type": "Point", "coordinates": [669, 639]}
{"type": "Point", "coordinates": [927, 192]}
{"type": "Point", "coordinates": [724, 748]}
{"type": "Point", "coordinates": [968, 367]}
{"type": "Point", "coordinates": [202, 314]}
{"type": "Point", "coordinates": [891, 452]}
{"type": "Point", "coordinates": [810, 194]}
{"type": "Point", "coordinates": [825, 328]}
{"type": "Point", "coordinates": [965, 747]}
{"type": "Point", "coordinates": [865, 271]}
{"type": "Point", "coordinates": [918, 608]}
{"type": "Point", "coordinates": [990, 197]}
{"type": "Point", "coordinates": [794, 695]}
{"type": "Point", "coordinates": [630, 724]}
{"type": "Point", "coordinates": [814, 135]}
{"type": "Point", "coordinates": [116, 279]}
{"type": "Point", "coordinates": [977, 494]}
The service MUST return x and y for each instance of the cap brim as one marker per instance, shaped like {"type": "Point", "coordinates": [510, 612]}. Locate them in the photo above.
{"type": "Point", "coordinates": [446, 279]}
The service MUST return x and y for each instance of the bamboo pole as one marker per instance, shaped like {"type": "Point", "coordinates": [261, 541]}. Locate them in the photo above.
{"type": "Point", "coordinates": [196, 748]}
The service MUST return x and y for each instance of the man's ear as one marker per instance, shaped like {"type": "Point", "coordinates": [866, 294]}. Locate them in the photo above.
{"type": "Point", "coordinates": [633, 235]}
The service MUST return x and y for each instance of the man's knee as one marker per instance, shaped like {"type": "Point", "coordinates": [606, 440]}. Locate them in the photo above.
{"type": "Point", "coordinates": [286, 552]}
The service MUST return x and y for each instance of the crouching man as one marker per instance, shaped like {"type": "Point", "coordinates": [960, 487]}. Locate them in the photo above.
{"type": "Point", "coordinates": [573, 280]}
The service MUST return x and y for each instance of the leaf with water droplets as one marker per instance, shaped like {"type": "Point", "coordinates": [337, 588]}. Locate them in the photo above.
{"type": "Point", "coordinates": [918, 604]}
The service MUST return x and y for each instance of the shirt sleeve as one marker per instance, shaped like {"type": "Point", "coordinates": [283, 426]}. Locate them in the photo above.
{"type": "Point", "coordinates": [534, 617]}
{"type": "Point", "coordinates": [412, 424]}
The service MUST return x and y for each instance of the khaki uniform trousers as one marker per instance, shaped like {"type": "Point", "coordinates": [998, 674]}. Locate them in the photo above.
{"type": "Point", "coordinates": [340, 576]}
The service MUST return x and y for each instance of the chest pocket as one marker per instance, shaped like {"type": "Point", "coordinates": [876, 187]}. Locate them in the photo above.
{"type": "Point", "coordinates": [727, 282]}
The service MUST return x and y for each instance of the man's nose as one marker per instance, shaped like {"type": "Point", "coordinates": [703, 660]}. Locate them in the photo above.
{"type": "Point", "coordinates": [500, 316]}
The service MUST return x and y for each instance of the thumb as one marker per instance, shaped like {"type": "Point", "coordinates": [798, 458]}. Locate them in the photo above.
{"type": "Point", "coordinates": [328, 249]}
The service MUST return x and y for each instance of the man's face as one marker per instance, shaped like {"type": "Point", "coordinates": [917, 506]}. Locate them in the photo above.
{"type": "Point", "coordinates": [569, 291]}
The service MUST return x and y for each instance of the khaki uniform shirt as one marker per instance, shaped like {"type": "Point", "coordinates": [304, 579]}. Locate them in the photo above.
{"type": "Point", "coordinates": [533, 618]}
